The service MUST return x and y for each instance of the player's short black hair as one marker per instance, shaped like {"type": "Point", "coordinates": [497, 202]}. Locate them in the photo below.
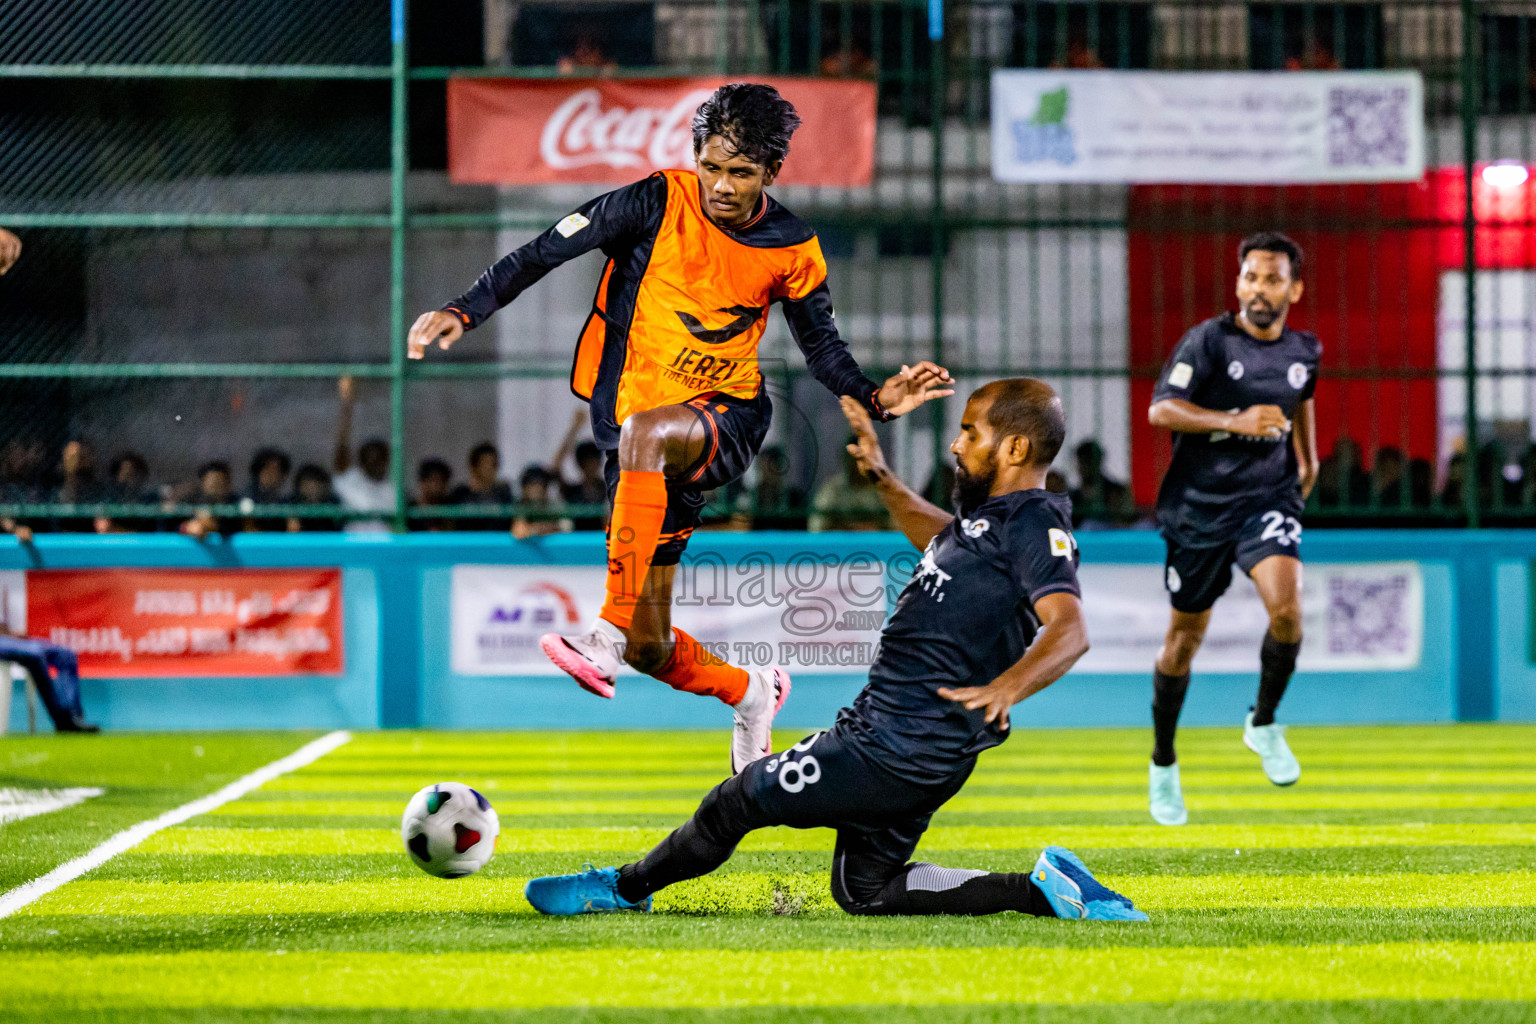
{"type": "Point", "coordinates": [216, 466]}
{"type": "Point", "coordinates": [429, 468]}
{"type": "Point", "coordinates": [1028, 408]}
{"type": "Point", "coordinates": [266, 455]}
{"type": "Point", "coordinates": [481, 450]}
{"type": "Point", "coordinates": [751, 119]}
{"type": "Point", "coordinates": [1274, 241]}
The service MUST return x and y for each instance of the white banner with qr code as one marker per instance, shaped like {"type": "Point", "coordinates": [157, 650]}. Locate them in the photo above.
{"type": "Point", "coordinates": [1356, 617]}
{"type": "Point", "coordinates": [1215, 127]}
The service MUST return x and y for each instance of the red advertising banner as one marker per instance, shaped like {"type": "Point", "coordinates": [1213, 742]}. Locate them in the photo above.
{"type": "Point", "coordinates": [508, 131]}
{"type": "Point", "coordinates": [191, 622]}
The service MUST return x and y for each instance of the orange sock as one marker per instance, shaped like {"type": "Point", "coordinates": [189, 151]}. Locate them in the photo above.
{"type": "Point", "coordinates": [694, 669]}
{"type": "Point", "coordinates": [639, 507]}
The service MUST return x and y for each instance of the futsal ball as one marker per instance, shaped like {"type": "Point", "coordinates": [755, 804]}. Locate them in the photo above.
{"type": "Point", "coordinates": [449, 830]}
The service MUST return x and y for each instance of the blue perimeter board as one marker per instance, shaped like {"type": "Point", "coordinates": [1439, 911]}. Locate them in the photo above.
{"type": "Point", "coordinates": [1476, 666]}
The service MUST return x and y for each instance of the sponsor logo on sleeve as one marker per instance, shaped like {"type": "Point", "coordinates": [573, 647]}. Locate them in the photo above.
{"type": "Point", "coordinates": [1180, 375]}
{"type": "Point", "coordinates": [1062, 543]}
{"type": "Point", "coordinates": [572, 224]}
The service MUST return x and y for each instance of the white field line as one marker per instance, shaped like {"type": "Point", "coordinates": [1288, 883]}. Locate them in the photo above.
{"type": "Point", "coordinates": [16, 804]}
{"type": "Point", "coordinates": [130, 837]}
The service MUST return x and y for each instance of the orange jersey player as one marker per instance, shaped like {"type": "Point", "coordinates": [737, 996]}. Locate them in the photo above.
{"type": "Point", "coordinates": [668, 364]}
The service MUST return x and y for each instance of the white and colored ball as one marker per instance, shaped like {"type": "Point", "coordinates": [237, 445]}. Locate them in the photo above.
{"type": "Point", "coordinates": [449, 830]}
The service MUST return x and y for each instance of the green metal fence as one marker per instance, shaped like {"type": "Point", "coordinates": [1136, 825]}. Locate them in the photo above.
{"type": "Point", "coordinates": [150, 148]}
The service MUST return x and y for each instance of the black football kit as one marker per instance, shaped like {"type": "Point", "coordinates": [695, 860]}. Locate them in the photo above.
{"type": "Point", "coordinates": [1229, 499]}
{"type": "Point", "coordinates": [900, 750]}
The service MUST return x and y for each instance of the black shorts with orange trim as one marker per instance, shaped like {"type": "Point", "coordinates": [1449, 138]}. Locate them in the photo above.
{"type": "Point", "coordinates": [733, 430]}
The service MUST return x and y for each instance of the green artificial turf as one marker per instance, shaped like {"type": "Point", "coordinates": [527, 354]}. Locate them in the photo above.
{"type": "Point", "coordinates": [1396, 882]}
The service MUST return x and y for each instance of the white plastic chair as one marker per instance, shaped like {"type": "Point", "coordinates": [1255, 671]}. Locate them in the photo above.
{"type": "Point", "coordinates": [12, 673]}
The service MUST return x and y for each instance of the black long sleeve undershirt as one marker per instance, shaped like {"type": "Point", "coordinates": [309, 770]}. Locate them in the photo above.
{"type": "Point", "coordinates": [826, 354]}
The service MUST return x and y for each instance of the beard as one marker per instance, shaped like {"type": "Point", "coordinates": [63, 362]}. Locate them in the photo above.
{"type": "Point", "coordinates": [972, 490]}
{"type": "Point", "coordinates": [1261, 314]}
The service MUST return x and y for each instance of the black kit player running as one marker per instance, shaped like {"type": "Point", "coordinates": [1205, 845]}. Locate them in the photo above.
{"type": "Point", "coordinates": [1229, 498]}
{"type": "Point", "coordinates": [1238, 395]}
{"type": "Point", "coordinates": [990, 616]}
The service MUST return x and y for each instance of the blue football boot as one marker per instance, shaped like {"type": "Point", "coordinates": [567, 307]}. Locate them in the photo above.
{"type": "Point", "coordinates": [1075, 894]}
{"type": "Point", "coordinates": [593, 891]}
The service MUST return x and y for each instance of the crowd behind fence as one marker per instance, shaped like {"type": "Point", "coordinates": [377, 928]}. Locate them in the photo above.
{"type": "Point", "coordinates": [224, 210]}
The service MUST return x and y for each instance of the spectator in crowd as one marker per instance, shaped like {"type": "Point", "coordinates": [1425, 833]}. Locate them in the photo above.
{"type": "Point", "coordinates": [21, 462]}
{"type": "Point", "coordinates": [1451, 495]}
{"type": "Point", "coordinates": [434, 480]}
{"type": "Point", "coordinates": [848, 501]}
{"type": "Point", "coordinates": [590, 487]}
{"type": "Point", "coordinates": [269, 472]}
{"type": "Point", "coordinates": [1340, 478]}
{"type": "Point", "coordinates": [312, 486]}
{"type": "Point", "coordinates": [128, 480]}
{"type": "Point", "coordinates": [483, 487]}
{"type": "Point", "coordinates": [127, 483]}
{"type": "Point", "coordinates": [587, 55]}
{"type": "Point", "coordinates": [1099, 502]}
{"type": "Point", "coordinates": [54, 672]}
{"type": "Point", "coordinates": [76, 482]}
{"type": "Point", "coordinates": [365, 487]}
{"type": "Point", "coordinates": [775, 503]}
{"type": "Point", "coordinates": [539, 495]}
{"type": "Point", "coordinates": [1421, 483]}
{"type": "Point", "coordinates": [1388, 478]}
{"type": "Point", "coordinates": [215, 486]}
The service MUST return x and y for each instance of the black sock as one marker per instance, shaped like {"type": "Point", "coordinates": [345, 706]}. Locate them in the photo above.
{"type": "Point", "coordinates": [1167, 701]}
{"type": "Point", "coordinates": [1277, 662]}
{"type": "Point", "coordinates": [631, 889]}
{"type": "Point", "coordinates": [930, 889]}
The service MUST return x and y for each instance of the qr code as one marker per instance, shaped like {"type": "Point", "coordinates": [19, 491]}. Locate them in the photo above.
{"type": "Point", "coordinates": [1368, 616]}
{"type": "Point", "coordinates": [1368, 127]}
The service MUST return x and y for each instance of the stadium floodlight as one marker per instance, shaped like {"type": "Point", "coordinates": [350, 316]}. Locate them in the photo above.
{"type": "Point", "coordinates": [1506, 174]}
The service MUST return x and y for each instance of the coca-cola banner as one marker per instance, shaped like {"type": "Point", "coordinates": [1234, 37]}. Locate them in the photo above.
{"type": "Point", "coordinates": [508, 131]}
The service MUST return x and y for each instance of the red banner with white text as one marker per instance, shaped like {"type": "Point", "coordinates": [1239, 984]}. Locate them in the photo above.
{"type": "Point", "coordinates": [511, 131]}
{"type": "Point", "coordinates": [191, 622]}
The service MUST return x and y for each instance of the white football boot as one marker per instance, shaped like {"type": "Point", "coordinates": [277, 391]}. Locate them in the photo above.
{"type": "Point", "coordinates": [593, 658]}
{"type": "Point", "coordinates": [1268, 741]}
{"type": "Point", "coordinates": [1165, 795]}
{"type": "Point", "coordinates": [767, 689]}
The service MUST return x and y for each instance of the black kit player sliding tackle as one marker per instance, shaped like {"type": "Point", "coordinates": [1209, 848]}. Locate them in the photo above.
{"type": "Point", "coordinates": [1237, 394]}
{"type": "Point", "coordinates": [991, 616]}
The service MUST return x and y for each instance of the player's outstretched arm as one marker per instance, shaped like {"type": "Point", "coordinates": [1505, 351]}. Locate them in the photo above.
{"type": "Point", "coordinates": [1062, 639]}
{"type": "Point", "coordinates": [1304, 438]}
{"type": "Point", "coordinates": [1185, 417]}
{"type": "Point", "coordinates": [914, 515]}
{"type": "Point", "coordinates": [814, 329]}
{"type": "Point", "coordinates": [628, 213]}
